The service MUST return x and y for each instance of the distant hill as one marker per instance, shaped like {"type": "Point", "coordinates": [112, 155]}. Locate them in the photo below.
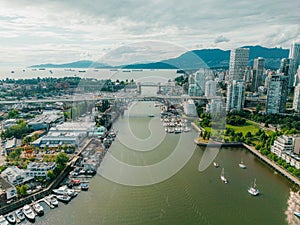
{"type": "Point", "coordinates": [209, 58]}
{"type": "Point", "coordinates": [78, 64]}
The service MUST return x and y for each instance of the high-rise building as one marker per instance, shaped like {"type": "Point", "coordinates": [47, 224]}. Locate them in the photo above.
{"type": "Point", "coordinates": [286, 68]}
{"type": "Point", "coordinates": [238, 63]}
{"type": "Point", "coordinates": [235, 95]}
{"type": "Point", "coordinates": [258, 71]}
{"type": "Point", "coordinates": [295, 56]}
{"type": "Point", "coordinates": [296, 101]}
{"type": "Point", "coordinates": [210, 88]}
{"type": "Point", "coordinates": [277, 94]}
{"type": "Point", "coordinates": [215, 107]}
{"type": "Point", "coordinates": [197, 82]}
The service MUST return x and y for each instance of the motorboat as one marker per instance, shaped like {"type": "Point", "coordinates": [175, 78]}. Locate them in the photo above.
{"type": "Point", "coordinates": [20, 215]}
{"type": "Point", "coordinates": [11, 218]}
{"type": "Point", "coordinates": [84, 186]}
{"type": "Point", "coordinates": [216, 164]}
{"type": "Point", "coordinates": [223, 178]}
{"type": "Point", "coordinates": [63, 198]}
{"type": "Point", "coordinates": [242, 165]}
{"type": "Point", "coordinates": [38, 208]}
{"type": "Point", "coordinates": [27, 210]}
{"type": "Point", "coordinates": [52, 200]}
{"type": "Point", "coordinates": [60, 191]}
{"type": "Point", "coordinates": [253, 190]}
{"type": "Point", "coordinates": [187, 129]}
{"type": "Point", "coordinates": [297, 214]}
{"type": "Point", "coordinates": [3, 221]}
{"type": "Point", "coordinates": [72, 193]}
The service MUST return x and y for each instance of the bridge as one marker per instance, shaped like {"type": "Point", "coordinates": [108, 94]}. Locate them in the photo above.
{"type": "Point", "coordinates": [96, 98]}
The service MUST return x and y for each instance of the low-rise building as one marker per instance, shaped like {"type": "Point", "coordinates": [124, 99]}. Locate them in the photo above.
{"type": "Point", "coordinates": [287, 148]}
{"type": "Point", "coordinates": [15, 176]}
{"type": "Point", "coordinates": [7, 191]}
{"type": "Point", "coordinates": [39, 169]}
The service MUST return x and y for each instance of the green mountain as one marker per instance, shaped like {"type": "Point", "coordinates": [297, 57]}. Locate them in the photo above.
{"type": "Point", "coordinates": [209, 58]}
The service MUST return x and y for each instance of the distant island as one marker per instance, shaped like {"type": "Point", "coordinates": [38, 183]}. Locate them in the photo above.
{"type": "Point", "coordinates": [194, 59]}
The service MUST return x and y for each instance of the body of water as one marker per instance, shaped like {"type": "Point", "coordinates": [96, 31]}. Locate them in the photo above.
{"type": "Point", "coordinates": [186, 197]}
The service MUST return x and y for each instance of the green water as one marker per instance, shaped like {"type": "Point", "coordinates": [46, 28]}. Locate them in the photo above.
{"type": "Point", "coordinates": [188, 197]}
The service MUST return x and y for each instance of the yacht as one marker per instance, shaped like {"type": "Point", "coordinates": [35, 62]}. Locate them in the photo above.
{"type": "Point", "coordinates": [242, 165]}
{"type": "Point", "coordinates": [63, 198]}
{"type": "Point", "coordinates": [253, 190]}
{"type": "Point", "coordinates": [28, 212]}
{"type": "Point", "coordinates": [3, 221]}
{"type": "Point", "coordinates": [60, 191]}
{"type": "Point", "coordinates": [38, 208]}
{"type": "Point", "coordinates": [20, 214]}
{"type": "Point", "coordinates": [52, 200]}
{"type": "Point", "coordinates": [297, 214]}
{"type": "Point", "coordinates": [11, 218]}
{"type": "Point", "coordinates": [223, 178]}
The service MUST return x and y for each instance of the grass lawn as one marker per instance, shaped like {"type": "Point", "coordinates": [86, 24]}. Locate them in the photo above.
{"type": "Point", "coordinates": [249, 126]}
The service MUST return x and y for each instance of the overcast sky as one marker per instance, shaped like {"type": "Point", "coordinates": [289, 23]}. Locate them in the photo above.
{"type": "Point", "coordinates": [37, 31]}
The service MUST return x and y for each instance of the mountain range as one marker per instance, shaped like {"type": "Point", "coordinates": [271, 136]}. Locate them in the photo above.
{"type": "Point", "coordinates": [194, 59]}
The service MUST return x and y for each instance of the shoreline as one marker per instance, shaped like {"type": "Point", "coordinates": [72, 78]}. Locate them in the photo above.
{"type": "Point", "coordinates": [272, 164]}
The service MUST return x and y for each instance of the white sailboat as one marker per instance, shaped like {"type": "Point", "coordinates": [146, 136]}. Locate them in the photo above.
{"type": "Point", "coordinates": [216, 164]}
{"type": "Point", "coordinates": [242, 165]}
{"type": "Point", "coordinates": [253, 190]}
{"type": "Point", "coordinates": [223, 178]}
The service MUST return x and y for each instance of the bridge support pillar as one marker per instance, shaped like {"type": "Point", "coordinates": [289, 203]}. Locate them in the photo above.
{"type": "Point", "coordinates": [158, 88]}
{"type": "Point", "coordinates": [139, 87]}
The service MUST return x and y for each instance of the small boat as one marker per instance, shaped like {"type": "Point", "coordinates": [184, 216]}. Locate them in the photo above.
{"type": "Point", "coordinates": [186, 129]}
{"type": "Point", "coordinates": [3, 221]}
{"type": "Point", "coordinates": [60, 191]}
{"type": "Point", "coordinates": [242, 165]}
{"type": "Point", "coordinates": [11, 218]}
{"type": "Point", "coordinates": [53, 201]}
{"type": "Point", "coordinates": [84, 186]}
{"type": "Point", "coordinates": [81, 71]}
{"type": "Point", "coordinates": [223, 178]}
{"type": "Point", "coordinates": [27, 210]}
{"type": "Point", "coordinates": [38, 208]}
{"type": "Point", "coordinates": [297, 214]}
{"type": "Point", "coordinates": [216, 164]}
{"type": "Point", "coordinates": [20, 214]}
{"type": "Point", "coordinates": [63, 198]}
{"type": "Point", "coordinates": [253, 190]}
{"type": "Point", "coordinates": [150, 115]}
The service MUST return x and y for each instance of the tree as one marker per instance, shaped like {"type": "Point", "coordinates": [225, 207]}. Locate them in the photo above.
{"type": "Point", "coordinates": [51, 174]}
{"type": "Point", "coordinates": [62, 158]}
{"type": "Point", "coordinates": [22, 190]}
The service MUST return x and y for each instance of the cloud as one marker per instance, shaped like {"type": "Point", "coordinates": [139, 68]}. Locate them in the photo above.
{"type": "Point", "coordinates": [220, 39]}
{"type": "Point", "coordinates": [95, 26]}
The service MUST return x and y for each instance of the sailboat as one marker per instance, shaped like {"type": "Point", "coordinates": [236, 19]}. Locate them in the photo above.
{"type": "Point", "coordinates": [216, 164]}
{"type": "Point", "coordinates": [242, 165]}
{"type": "Point", "coordinates": [253, 190]}
{"type": "Point", "coordinates": [223, 178]}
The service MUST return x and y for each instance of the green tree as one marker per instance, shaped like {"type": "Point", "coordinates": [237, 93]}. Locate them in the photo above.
{"type": "Point", "coordinates": [51, 174]}
{"type": "Point", "coordinates": [62, 158]}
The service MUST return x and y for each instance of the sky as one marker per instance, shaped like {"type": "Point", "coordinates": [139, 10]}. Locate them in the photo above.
{"type": "Point", "coordinates": [128, 31]}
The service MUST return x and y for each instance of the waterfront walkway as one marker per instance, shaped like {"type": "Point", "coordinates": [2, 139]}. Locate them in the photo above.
{"type": "Point", "coordinates": [273, 164]}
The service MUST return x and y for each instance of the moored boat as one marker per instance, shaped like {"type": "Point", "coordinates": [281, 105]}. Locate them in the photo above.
{"type": "Point", "coordinates": [11, 218]}
{"type": "Point", "coordinates": [52, 200]}
{"type": "Point", "coordinates": [216, 164]}
{"type": "Point", "coordinates": [84, 186]}
{"type": "Point", "coordinates": [3, 221]}
{"type": "Point", "coordinates": [20, 214]}
{"type": "Point", "coordinates": [27, 210]}
{"type": "Point", "coordinates": [253, 190]}
{"type": "Point", "coordinates": [223, 178]}
{"type": "Point", "coordinates": [297, 214]}
{"type": "Point", "coordinates": [63, 198]}
{"type": "Point", "coordinates": [38, 208]}
{"type": "Point", "coordinates": [242, 165]}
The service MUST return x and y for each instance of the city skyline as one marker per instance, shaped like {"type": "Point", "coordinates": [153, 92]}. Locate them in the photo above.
{"type": "Point", "coordinates": [58, 32]}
